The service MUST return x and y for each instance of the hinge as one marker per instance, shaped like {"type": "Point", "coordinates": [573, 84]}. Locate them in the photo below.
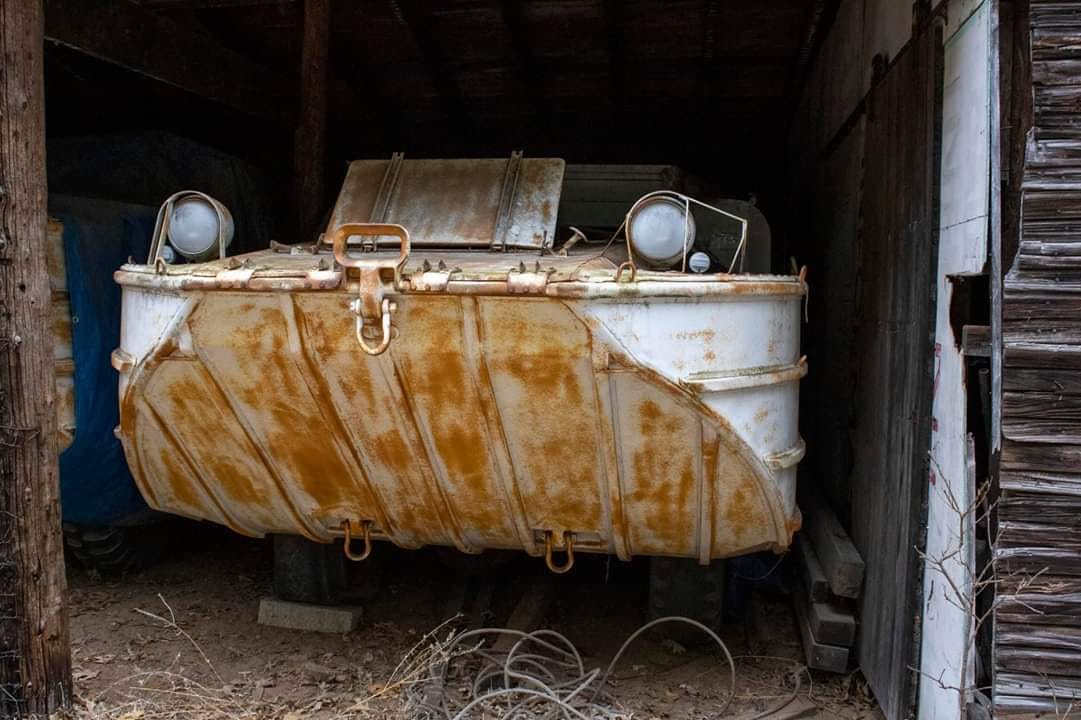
{"type": "Point", "coordinates": [525, 282]}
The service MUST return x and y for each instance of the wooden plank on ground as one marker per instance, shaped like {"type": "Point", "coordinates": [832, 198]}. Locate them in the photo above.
{"type": "Point", "coordinates": [817, 655]}
{"type": "Point", "coordinates": [810, 570]}
{"type": "Point", "coordinates": [840, 560]}
{"type": "Point", "coordinates": [830, 623]}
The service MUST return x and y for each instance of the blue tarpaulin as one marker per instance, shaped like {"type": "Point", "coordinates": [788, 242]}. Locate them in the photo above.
{"type": "Point", "coordinates": [96, 487]}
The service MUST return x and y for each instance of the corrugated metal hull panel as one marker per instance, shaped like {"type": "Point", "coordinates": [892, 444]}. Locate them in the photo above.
{"type": "Point", "coordinates": [60, 321]}
{"type": "Point", "coordinates": [490, 421]}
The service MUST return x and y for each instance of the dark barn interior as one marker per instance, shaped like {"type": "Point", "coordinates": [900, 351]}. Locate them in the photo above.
{"type": "Point", "coordinates": [144, 98]}
{"type": "Point", "coordinates": [706, 85]}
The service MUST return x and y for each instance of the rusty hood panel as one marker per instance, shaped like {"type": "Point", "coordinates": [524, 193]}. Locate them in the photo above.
{"type": "Point", "coordinates": [496, 203]}
{"type": "Point", "coordinates": [649, 418]}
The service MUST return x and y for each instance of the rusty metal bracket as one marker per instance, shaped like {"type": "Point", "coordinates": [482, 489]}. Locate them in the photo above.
{"type": "Point", "coordinates": [629, 265]}
{"type": "Point", "coordinates": [429, 280]}
{"type": "Point", "coordinates": [366, 535]}
{"type": "Point", "coordinates": [370, 305]}
{"type": "Point", "coordinates": [234, 278]}
{"type": "Point", "coordinates": [522, 281]}
{"type": "Point", "coordinates": [322, 278]}
{"type": "Point", "coordinates": [387, 188]}
{"type": "Point", "coordinates": [506, 200]}
{"type": "Point", "coordinates": [568, 548]}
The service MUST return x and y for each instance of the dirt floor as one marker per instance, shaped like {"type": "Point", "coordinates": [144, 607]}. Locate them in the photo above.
{"type": "Point", "coordinates": [181, 640]}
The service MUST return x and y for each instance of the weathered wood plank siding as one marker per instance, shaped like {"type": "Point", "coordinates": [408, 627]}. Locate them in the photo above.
{"type": "Point", "coordinates": [898, 267]}
{"type": "Point", "coordinates": [35, 650]}
{"type": "Point", "coordinates": [1038, 621]}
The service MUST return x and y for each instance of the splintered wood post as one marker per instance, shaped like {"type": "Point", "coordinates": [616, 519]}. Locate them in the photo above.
{"type": "Point", "coordinates": [35, 652]}
{"type": "Point", "coordinates": [310, 147]}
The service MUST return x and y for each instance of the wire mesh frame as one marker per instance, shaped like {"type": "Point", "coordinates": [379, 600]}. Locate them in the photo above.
{"type": "Point", "coordinates": [686, 201]}
{"type": "Point", "coordinates": [12, 699]}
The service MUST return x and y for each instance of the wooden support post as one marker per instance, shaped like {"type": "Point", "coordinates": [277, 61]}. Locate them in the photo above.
{"type": "Point", "coordinates": [311, 134]}
{"type": "Point", "coordinates": [35, 651]}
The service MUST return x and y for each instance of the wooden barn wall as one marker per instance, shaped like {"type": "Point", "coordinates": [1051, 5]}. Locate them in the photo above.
{"type": "Point", "coordinates": [947, 659]}
{"type": "Point", "coordinates": [866, 148]}
{"type": "Point", "coordinates": [1038, 555]}
{"type": "Point", "coordinates": [897, 259]}
{"type": "Point", "coordinates": [826, 147]}
{"type": "Point", "coordinates": [890, 488]}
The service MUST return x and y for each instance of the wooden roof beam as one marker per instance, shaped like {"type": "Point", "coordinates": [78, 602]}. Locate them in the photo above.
{"type": "Point", "coordinates": [309, 153]}
{"type": "Point", "coordinates": [416, 18]}
{"type": "Point", "coordinates": [530, 88]}
{"type": "Point", "coordinates": [124, 34]}
{"type": "Point", "coordinates": [820, 16]}
{"type": "Point", "coordinates": [209, 4]}
{"type": "Point", "coordinates": [616, 20]}
{"type": "Point", "coordinates": [708, 70]}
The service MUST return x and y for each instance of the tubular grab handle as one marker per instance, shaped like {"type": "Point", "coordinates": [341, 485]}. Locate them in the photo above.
{"type": "Point", "coordinates": [343, 232]}
{"type": "Point", "coordinates": [370, 306]}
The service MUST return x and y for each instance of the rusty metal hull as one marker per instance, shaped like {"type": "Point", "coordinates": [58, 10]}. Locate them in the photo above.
{"type": "Point", "coordinates": [645, 420]}
{"type": "Point", "coordinates": [60, 322]}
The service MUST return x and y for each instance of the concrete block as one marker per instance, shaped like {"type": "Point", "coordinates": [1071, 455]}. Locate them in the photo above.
{"type": "Point", "coordinates": [314, 618]}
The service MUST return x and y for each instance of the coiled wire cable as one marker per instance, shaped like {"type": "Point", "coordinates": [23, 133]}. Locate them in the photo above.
{"type": "Point", "coordinates": [543, 676]}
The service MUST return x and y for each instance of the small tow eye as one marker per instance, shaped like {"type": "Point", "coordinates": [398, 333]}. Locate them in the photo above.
{"type": "Point", "coordinates": [568, 547]}
{"type": "Point", "coordinates": [347, 545]}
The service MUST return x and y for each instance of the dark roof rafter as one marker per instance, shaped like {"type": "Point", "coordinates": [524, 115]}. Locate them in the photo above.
{"type": "Point", "coordinates": [521, 41]}
{"type": "Point", "coordinates": [124, 34]}
{"type": "Point", "coordinates": [415, 17]}
{"type": "Point", "coordinates": [615, 15]}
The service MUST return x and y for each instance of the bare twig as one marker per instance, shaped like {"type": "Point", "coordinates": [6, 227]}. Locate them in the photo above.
{"type": "Point", "coordinates": [171, 624]}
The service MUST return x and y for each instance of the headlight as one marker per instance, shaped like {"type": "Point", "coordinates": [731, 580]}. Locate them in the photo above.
{"type": "Point", "coordinates": [660, 230]}
{"type": "Point", "coordinates": [195, 220]}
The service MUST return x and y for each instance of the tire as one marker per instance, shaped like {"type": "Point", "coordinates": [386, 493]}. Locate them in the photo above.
{"type": "Point", "coordinates": [308, 572]}
{"type": "Point", "coordinates": [114, 550]}
{"type": "Point", "coordinates": [680, 586]}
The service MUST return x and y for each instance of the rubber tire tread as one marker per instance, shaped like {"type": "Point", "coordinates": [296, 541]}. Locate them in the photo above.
{"type": "Point", "coordinates": [110, 550]}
